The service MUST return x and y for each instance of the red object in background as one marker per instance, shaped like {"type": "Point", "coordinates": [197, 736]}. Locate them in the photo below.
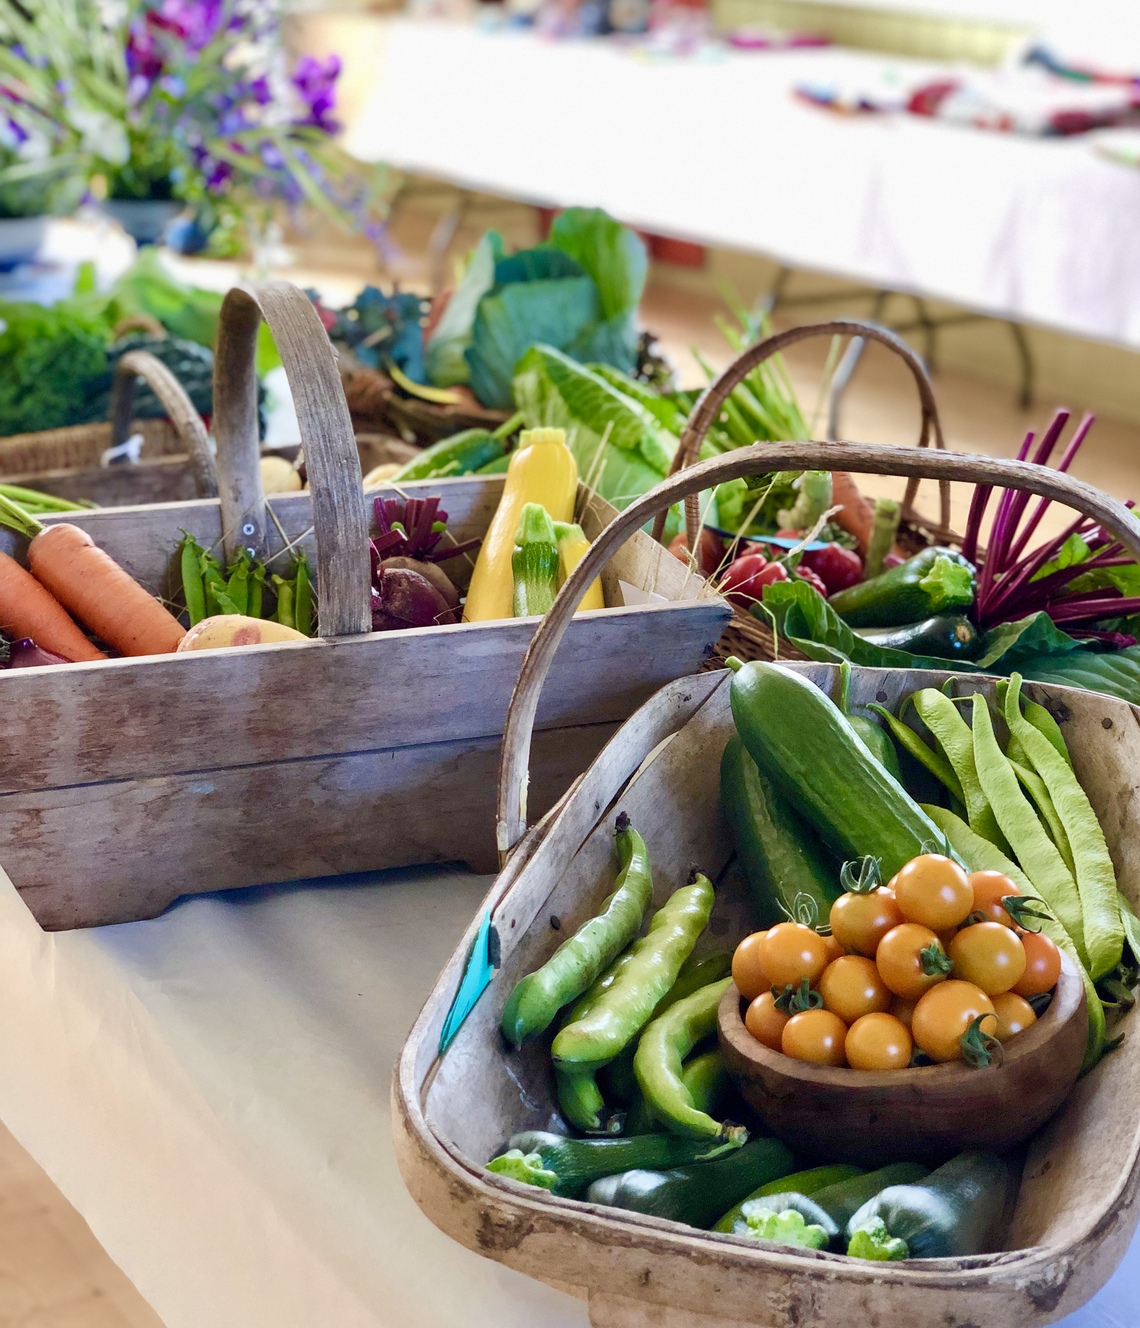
{"type": "Point", "coordinates": [545, 218]}
{"type": "Point", "coordinates": [806, 574]}
{"type": "Point", "coordinates": [744, 580]}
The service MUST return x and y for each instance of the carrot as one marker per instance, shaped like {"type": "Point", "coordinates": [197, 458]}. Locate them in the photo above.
{"type": "Point", "coordinates": [27, 609]}
{"type": "Point", "coordinates": [856, 514]}
{"type": "Point", "coordinates": [94, 588]}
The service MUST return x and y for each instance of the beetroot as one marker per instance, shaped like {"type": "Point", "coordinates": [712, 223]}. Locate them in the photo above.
{"type": "Point", "coordinates": [25, 654]}
{"type": "Point", "coordinates": [403, 598]}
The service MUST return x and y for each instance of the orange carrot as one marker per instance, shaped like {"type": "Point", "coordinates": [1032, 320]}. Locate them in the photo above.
{"type": "Point", "coordinates": [856, 514]}
{"type": "Point", "coordinates": [107, 600]}
{"type": "Point", "coordinates": [27, 609]}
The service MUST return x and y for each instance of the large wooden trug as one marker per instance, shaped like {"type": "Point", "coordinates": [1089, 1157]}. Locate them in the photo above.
{"type": "Point", "coordinates": [126, 783]}
{"type": "Point", "coordinates": [1077, 1205]}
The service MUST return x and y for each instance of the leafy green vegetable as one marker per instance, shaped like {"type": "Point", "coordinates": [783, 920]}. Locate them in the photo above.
{"type": "Point", "coordinates": [611, 253]}
{"type": "Point", "coordinates": [515, 317]}
{"type": "Point", "coordinates": [1114, 672]}
{"type": "Point", "coordinates": [50, 355]}
{"type": "Point", "coordinates": [620, 448]}
{"type": "Point", "coordinates": [446, 347]}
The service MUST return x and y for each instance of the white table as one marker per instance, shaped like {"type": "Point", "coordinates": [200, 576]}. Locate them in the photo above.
{"type": "Point", "coordinates": [718, 151]}
{"type": "Point", "coordinates": [210, 1089]}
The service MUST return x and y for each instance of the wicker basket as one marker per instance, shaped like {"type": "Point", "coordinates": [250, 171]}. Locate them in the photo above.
{"type": "Point", "coordinates": [376, 406]}
{"type": "Point", "coordinates": [1077, 1205]}
{"type": "Point", "coordinates": [176, 461]}
{"type": "Point", "coordinates": [746, 636]}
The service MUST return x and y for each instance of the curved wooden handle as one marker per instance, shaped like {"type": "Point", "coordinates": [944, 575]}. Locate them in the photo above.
{"type": "Point", "coordinates": [340, 521]}
{"type": "Point", "coordinates": [711, 403]}
{"type": "Point", "coordinates": [136, 364]}
{"type": "Point", "coordinates": [760, 459]}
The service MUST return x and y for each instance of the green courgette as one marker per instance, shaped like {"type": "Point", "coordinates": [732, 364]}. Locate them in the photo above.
{"type": "Point", "coordinates": [946, 636]}
{"type": "Point", "coordinates": [785, 1201]}
{"type": "Point", "coordinates": [460, 454]}
{"type": "Point", "coordinates": [801, 741]}
{"type": "Point", "coordinates": [788, 873]}
{"type": "Point", "coordinates": [695, 1194]}
{"type": "Point", "coordinates": [954, 1212]}
{"type": "Point", "coordinates": [579, 1162]}
{"type": "Point", "coordinates": [933, 581]}
{"type": "Point", "coordinates": [801, 1182]}
{"type": "Point", "coordinates": [843, 1199]}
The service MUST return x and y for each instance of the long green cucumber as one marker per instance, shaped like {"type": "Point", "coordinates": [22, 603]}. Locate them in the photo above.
{"type": "Point", "coordinates": [799, 738]}
{"type": "Point", "coordinates": [787, 871]}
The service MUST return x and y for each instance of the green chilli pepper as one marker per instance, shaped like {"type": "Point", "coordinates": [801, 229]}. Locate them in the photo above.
{"type": "Point", "coordinates": [627, 1005]}
{"type": "Point", "coordinates": [659, 1061]}
{"type": "Point", "coordinates": [580, 1100]}
{"type": "Point", "coordinates": [193, 587]}
{"type": "Point", "coordinates": [303, 597]}
{"type": "Point", "coordinates": [538, 997]}
{"type": "Point", "coordinates": [706, 1078]}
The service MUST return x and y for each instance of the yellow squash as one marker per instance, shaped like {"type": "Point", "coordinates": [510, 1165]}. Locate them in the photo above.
{"type": "Point", "coordinates": [572, 548]}
{"type": "Point", "coordinates": [543, 471]}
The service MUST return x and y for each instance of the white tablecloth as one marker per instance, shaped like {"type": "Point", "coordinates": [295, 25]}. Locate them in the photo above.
{"type": "Point", "coordinates": [210, 1089]}
{"type": "Point", "coordinates": [719, 151]}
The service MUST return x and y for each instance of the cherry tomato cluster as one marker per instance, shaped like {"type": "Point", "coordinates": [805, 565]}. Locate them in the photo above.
{"type": "Point", "coordinates": [932, 961]}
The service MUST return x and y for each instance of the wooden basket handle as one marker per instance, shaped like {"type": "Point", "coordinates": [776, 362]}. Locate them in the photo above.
{"type": "Point", "coordinates": [136, 364]}
{"type": "Point", "coordinates": [760, 459]}
{"type": "Point", "coordinates": [711, 402]}
{"type": "Point", "coordinates": [340, 521]}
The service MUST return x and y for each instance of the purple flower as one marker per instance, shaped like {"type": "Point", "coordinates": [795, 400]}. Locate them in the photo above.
{"type": "Point", "coordinates": [316, 80]}
{"type": "Point", "coordinates": [143, 58]}
{"type": "Point", "coordinates": [195, 22]}
{"type": "Point", "coordinates": [218, 174]}
{"type": "Point", "coordinates": [272, 157]}
{"type": "Point", "coordinates": [18, 132]}
{"type": "Point", "coordinates": [259, 91]}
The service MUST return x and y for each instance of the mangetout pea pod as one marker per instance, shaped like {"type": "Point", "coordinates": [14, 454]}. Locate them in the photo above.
{"type": "Point", "coordinates": [980, 855]}
{"type": "Point", "coordinates": [661, 1052]}
{"type": "Point", "coordinates": [624, 1008]}
{"type": "Point", "coordinates": [538, 997]}
{"type": "Point", "coordinates": [941, 717]}
{"type": "Point", "coordinates": [1027, 837]}
{"type": "Point", "coordinates": [1095, 876]}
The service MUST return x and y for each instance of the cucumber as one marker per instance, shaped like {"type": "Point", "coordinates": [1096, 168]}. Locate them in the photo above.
{"type": "Point", "coordinates": [580, 1162]}
{"type": "Point", "coordinates": [799, 738]}
{"type": "Point", "coordinates": [460, 454]}
{"type": "Point", "coordinates": [698, 1194]}
{"type": "Point", "coordinates": [933, 581]}
{"type": "Point", "coordinates": [787, 871]}
{"type": "Point", "coordinates": [947, 636]}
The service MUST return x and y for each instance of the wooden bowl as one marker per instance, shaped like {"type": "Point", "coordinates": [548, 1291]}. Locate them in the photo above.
{"type": "Point", "coordinates": [873, 1116]}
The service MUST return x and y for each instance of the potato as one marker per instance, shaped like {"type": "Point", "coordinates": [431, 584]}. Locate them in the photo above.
{"type": "Point", "coordinates": [378, 474]}
{"type": "Point", "coordinates": [279, 475]}
{"type": "Point", "coordinates": [234, 629]}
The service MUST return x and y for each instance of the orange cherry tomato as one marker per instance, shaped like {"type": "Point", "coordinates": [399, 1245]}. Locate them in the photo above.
{"type": "Point", "coordinates": [834, 949]}
{"type": "Point", "coordinates": [902, 1010]}
{"type": "Point", "coordinates": [747, 972]}
{"type": "Point", "coordinates": [990, 888]}
{"type": "Point", "coordinates": [851, 987]}
{"type": "Point", "coordinates": [791, 952]}
{"type": "Point", "coordinates": [765, 1022]}
{"type": "Point", "coordinates": [945, 1013]}
{"type": "Point", "coordinates": [1014, 1014]}
{"type": "Point", "coordinates": [988, 955]}
{"type": "Point", "coordinates": [911, 960]}
{"type": "Point", "coordinates": [859, 922]}
{"type": "Point", "coordinates": [878, 1042]}
{"type": "Point", "coordinates": [1042, 965]}
{"type": "Point", "coordinates": [817, 1036]}
{"type": "Point", "coordinates": [933, 891]}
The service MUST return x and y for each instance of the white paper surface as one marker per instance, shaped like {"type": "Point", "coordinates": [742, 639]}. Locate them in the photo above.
{"type": "Point", "coordinates": [210, 1089]}
{"type": "Point", "coordinates": [719, 151]}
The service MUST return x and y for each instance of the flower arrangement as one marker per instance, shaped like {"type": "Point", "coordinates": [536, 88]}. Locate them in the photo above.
{"type": "Point", "coordinates": [195, 100]}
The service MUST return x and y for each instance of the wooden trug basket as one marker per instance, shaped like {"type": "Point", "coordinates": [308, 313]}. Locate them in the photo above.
{"type": "Point", "coordinates": [176, 462]}
{"type": "Point", "coordinates": [1077, 1204]}
{"type": "Point", "coordinates": [747, 636]}
{"type": "Point", "coordinates": [126, 783]}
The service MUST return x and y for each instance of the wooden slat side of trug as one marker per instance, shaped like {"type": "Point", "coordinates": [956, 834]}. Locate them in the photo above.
{"type": "Point", "coordinates": [1076, 1209]}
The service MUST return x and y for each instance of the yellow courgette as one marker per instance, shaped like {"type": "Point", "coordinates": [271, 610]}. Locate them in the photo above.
{"type": "Point", "coordinates": [572, 547]}
{"type": "Point", "coordinates": [543, 471]}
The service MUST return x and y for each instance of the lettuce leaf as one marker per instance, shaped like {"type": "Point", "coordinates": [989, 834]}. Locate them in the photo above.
{"type": "Point", "coordinates": [446, 361]}
{"type": "Point", "coordinates": [611, 253]}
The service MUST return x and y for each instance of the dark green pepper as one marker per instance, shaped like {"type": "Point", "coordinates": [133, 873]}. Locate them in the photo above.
{"type": "Point", "coordinates": [954, 1212]}
{"type": "Point", "coordinates": [933, 581]}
